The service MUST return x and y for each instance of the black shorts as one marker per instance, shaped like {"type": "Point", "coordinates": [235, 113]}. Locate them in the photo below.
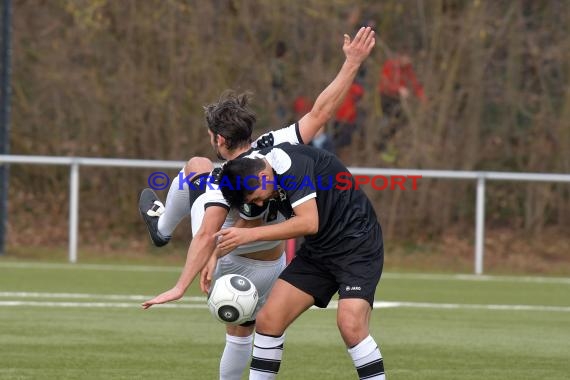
{"type": "Point", "coordinates": [354, 275]}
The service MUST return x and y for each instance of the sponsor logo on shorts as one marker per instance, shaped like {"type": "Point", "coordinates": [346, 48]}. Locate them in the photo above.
{"type": "Point", "coordinates": [353, 288]}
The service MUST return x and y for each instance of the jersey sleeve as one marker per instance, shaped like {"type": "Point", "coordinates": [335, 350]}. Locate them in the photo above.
{"type": "Point", "coordinates": [213, 194]}
{"type": "Point", "coordinates": [296, 177]}
{"type": "Point", "coordinates": [290, 134]}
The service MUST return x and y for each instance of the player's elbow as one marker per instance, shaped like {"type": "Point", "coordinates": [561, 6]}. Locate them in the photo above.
{"type": "Point", "coordinates": [313, 229]}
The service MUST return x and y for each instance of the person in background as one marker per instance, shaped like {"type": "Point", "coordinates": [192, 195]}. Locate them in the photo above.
{"type": "Point", "coordinates": [398, 81]}
{"type": "Point", "coordinates": [322, 140]}
{"type": "Point", "coordinates": [345, 122]}
{"type": "Point", "coordinates": [278, 88]}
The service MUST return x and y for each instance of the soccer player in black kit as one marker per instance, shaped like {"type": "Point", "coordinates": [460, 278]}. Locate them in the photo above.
{"type": "Point", "coordinates": [343, 249]}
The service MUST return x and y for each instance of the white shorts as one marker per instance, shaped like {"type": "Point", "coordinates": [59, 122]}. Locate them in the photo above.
{"type": "Point", "coordinates": [263, 274]}
{"type": "Point", "coordinates": [197, 213]}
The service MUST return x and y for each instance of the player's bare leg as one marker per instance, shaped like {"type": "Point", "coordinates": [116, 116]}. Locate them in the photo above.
{"type": "Point", "coordinates": [353, 318]}
{"type": "Point", "coordinates": [284, 305]}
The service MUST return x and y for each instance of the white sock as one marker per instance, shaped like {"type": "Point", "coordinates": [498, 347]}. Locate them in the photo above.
{"type": "Point", "coordinates": [235, 357]}
{"type": "Point", "coordinates": [176, 208]}
{"type": "Point", "coordinates": [368, 360]}
{"type": "Point", "coordinates": [267, 353]}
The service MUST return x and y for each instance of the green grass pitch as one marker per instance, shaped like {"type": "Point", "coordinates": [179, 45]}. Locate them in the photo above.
{"type": "Point", "coordinates": [62, 321]}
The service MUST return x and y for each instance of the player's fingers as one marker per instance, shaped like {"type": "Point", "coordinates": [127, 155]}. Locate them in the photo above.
{"type": "Point", "coordinates": [371, 41]}
{"type": "Point", "coordinates": [358, 36]}
{"type": "Point", "coordinates": [346, 40]}
{"type": "Point", "coordinates": [203, 285]}
{"type": "Point", "coordinates": [367, 36]}
{"type": "Point", "coordinates": [227, 247]}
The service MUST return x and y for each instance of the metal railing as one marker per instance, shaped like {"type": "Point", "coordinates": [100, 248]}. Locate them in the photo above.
{"type": "Point", "coordinates": [479, 176]}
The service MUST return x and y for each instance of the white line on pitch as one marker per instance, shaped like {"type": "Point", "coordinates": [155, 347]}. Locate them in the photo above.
{"type": "Point", "coordinates": [427, 305]}
{"type": "Point", "coordinates": [388, 275]}
{"type": "Point", "coordinates": [127, 297]}
{"type": "Point", "coordinates": [333, 305]}
{"type": "Point", "coordinates": [129, 305]}
{"type": "Point", "coordinates": [120, 268]}
{"type": "Point", "coordinates": [473, 277]}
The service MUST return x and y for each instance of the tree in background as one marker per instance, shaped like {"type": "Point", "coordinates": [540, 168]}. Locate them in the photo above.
{"type": "Point", "coordinates": [129, 78]}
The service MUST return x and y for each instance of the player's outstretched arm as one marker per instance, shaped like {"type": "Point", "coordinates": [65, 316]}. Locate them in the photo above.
{"type": "Point", "coordinates": [199, 252]}
{"type": "Point", "coordinates": [355, 51]}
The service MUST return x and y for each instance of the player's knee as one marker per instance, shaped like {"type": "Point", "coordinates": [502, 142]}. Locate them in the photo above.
{"type": "Point", "coordinates": [240, 331]}
{"type": "Point", "coordinates": [268, 323]}
{"type": "Point", "coordinates": [198, 165]}
{"type": "Point", "coordinates": [352, 328]}
{"type": "Point", "coordinates": [262, 320]}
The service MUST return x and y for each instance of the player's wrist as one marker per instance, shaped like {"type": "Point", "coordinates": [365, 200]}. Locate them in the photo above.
{"type": "Point", "coordinates": [254, 235]}
{"type": "Point", "coordinates": [352, 63]}
{"type": "Point", "coordinates": [179, 290]}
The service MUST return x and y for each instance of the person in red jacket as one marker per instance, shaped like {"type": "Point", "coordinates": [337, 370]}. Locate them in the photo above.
{"type": "Point", "coordinates": [345, 122]}
{"type": "Point", "coordinates": [322, 140]}
{"type": "Point", "coordinates": [397, 81]}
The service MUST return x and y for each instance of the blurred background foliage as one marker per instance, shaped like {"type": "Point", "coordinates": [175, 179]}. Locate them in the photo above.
{"type": "Point", "coordinates": [128, 79]}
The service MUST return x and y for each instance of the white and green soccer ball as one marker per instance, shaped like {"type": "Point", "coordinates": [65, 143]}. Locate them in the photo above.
{"type": "Point", "coordinates": [233, 299]}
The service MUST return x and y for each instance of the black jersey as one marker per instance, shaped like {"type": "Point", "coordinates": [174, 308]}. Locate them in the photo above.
{"type": "Point", "coordinates": [347, 220]}
{"type": "Point", "coordinates": [214, 197]}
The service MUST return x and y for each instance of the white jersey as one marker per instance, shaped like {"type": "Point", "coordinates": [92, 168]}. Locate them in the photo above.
{"type": "Point", "coordinates": [213, 196]}
{"type": "Point", "coordinates": [268, 216]}
{"type": "Point", "coordinates": [290, 134]}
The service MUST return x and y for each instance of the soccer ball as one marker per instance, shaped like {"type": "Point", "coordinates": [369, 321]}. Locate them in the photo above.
{"type": "Point", "coordinates": [233, 299]}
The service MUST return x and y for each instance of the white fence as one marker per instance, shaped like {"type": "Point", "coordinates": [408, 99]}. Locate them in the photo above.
{"type": "Point", "coordinates": [480, 177]}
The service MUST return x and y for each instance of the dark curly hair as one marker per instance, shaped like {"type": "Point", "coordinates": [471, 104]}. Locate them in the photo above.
{"type": "Point", "coordinates": [231, 117]}
{"type": "Point", "coordinates": [235, 184]}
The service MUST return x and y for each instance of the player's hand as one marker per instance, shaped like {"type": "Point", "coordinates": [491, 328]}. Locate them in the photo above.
{"type": "Point", "coordinates": [360, 47]}
{"type": "Point", "coordinates": [207, 273]}
{"type": "Point", "coordinates": [231, 238]}
{"type": "Point", "coordinates": [170, 295]}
